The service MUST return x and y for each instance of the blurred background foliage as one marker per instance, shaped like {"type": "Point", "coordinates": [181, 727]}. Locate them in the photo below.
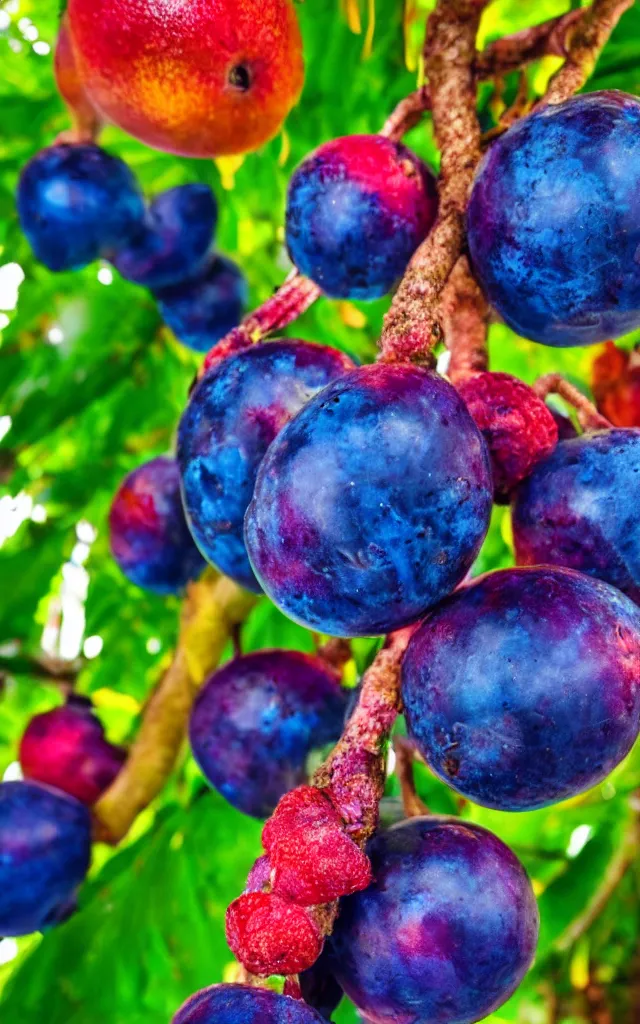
{"type": "Point", "coordinates": [92, 384]}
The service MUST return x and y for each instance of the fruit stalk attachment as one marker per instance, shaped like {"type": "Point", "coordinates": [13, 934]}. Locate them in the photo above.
{"type": "Point", "coordinates": [465, 317]}
{"type": "Point", "coordinates": [588, 416]}
{"type": "Point", "coordinates": [211, 609]}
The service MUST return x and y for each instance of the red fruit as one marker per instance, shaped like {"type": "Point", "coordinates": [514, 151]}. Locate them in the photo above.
{"type": "Point", "coordinates": [271, 936]}
{"type": "Point", "coordinates": [259, 878]}
{"type": "Point", "coordinates": [303, 808]}
{"type": "Point", "coordinates": [518, 427]}
{"type": "Point", "coordinates": [70, 84]}
{"type": "Point", "coordinates": [616, 385]}
{"type": "Point", "coordinates": [202, 78]}
{"type": "Point", "coordinates": [66, 748]}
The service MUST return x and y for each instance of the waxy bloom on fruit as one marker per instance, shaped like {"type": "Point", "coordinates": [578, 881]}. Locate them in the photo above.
{"type": "Point", "coordinates": [200, 79]}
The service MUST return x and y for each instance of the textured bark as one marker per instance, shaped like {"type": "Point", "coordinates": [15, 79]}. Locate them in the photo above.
{"type": "Point", "coordinates": [588, 416]}
{"type": "Point", "coordinates": [465, 315]}
{"type": "Point", "coordinates": [549, 39]}
{"type": "Point", "coordinates": [588, 38]}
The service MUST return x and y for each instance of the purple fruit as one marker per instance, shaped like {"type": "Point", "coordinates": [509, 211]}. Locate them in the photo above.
{"type": "Point", "coordinates": [579, 509]}
{"type": "Point", "coordinates": [232, 417]}
{"type": "Point", "coordinates": [257, 720]}
{"type": "Point", "coordinates": [240, 1004]}
{"type": "Point", "coordinates": [149, 536]}
{"type": "Point", "coordinates": [371, 505]}
{"type": "Point", "coordinates": [202, 309]}
{"type": "Point", "coordinates": [554, 221]}
{"type": "Point", "coordinates": [444, 934]}
{"type": "Point", "coordinates": [172, 243]}
{"type": "Point", "coordinates": [45, 849]}
{"type": "Point", "coordinates": [524, 688]}
{"type": "Point", "coordinates": [319, 987]}
{"type": "Point", "coordinates": [357, 209]}
{"type": "Point", "coordinates": [77, 203]}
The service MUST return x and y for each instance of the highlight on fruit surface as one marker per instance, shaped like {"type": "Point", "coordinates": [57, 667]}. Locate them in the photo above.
{"type": "Point", "coordinates": [445, 932]}
{"type": "Point", "coordinates": [554, 221]}
{"type": "Point", "coordinates": [357, 209]}
{"type": "Point", "coordinates": [372, 503]}
{"type": "Point", "coordinates": [256, 721]}
{"type": "Point", "coordinates": [523, 688]}
{"type": "Point", "coordinates": [233, 415]}
{"type": "Point", "coordinates": [200, 80]}
{"type": "Point", "coordinates": [148, 532]}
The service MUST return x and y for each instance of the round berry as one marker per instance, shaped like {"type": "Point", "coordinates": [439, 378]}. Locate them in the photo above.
{"type": "Point", "coordinates": [319, 987]}
{"type": "Point", "coordinates": [270, 935]}
{"type": "Point", "coordinates": [197, 79]}
{"type": "Point", "coordinates": [554, 221]}
{"type": "Point", "coordinates": [205, 307]}
{"type": "Point", "coordinates": [149, 536]}
{"type": "Point", "coordinates": [257, 720]}
{"type": "Point", "coordinates": [523, 688]}
{"type": "Point", "coordinates": [242, 1004]}
{"type": "Point", "coordinates": [67, 748]}
{"type": "Point", "coordinates": [357, 210]}
{"type": "Point", "coordinates": [371, 505]}
{"type": "Point", "coordinates": [579, 508]}
{"type": "Point", "coordinates": [45, 848]}
{"type": "Point", "coordinates": [518, 427]}
{"type": "Point", "coordinates": [445, 933]}
{"type": "Point", "coordinates": [232, 417]}
{"type": "Point", "coordinates": [77, 203]}
{"type": "Point", "coordinates": [172, 243]}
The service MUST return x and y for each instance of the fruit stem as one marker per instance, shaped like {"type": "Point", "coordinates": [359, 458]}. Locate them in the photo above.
{"type": "Point", "coordinates": [465, 315]}
{"type": "Point", "coordinates": [412, 326]}
{"type": "Point", "coordinates": [407, 114]}
{"type": "Point", "coordinates": [212, 607]}
{"type": "Point", "coordinates": [588, 416]}
{"type": "Point", "coordinates": [355, 770]}
{"type": "Point", "coordinates": [290, 301]}
{"type": "Point", "coordinates": [404, 750]}
{"type": "Point", "coordinates": [549, 39]}
{"type": "Point", "coordinates": [587, 41]}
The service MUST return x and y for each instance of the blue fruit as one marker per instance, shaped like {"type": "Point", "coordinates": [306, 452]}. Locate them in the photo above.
{"type": "Point", "coordinates": [76, 204]}
{"type": "Point", "coordinates": [203, 309]}
{"type": "Point", "coordinates": [320, 988]}
{"type": "Point", "coordinates": [580, 506]}
{"type": "Point", "coordinates": [524, 688]}
{"type": "Point", "coordinates": [257, 720]}
{"type": "Point", "coordinates": [240, 1004]}
{"type": "Point", "coordinates": [445, 933]}
{"type": "Point", "coordinates": [357, 210]}
{"type": "Point", "coordinates": [232, 417]}
{"type": "Point", "coordinates": [45, 848]}
{"type": "Point", "coordinates": [554, 221]}
{"type": "Point", "coordinates": [172, 244]}
{"type": "Point", "coordinates": [371, 505]}
{"type": "Point", "coordinates": [149, 536]}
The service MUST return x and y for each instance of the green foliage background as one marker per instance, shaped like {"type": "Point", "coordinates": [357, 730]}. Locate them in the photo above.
{"type": "Point", "coordinates": [86, 411]}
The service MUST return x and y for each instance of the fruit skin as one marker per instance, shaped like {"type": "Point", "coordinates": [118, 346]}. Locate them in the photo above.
{"type": "Point", "coordinates": [358, 208]}
{"type": "Point", "coordinates": [579, 509]}
{"type": "Point", "coordinates": [566, 429]}
{"type": "Point", "coordinates": [616, 385]}
{"type": "Point", "coordinates": [270, 935]}
{"type": "Point", "coordinates": [445, 933]}
{"type": "Point", "coordinates": [371, 505]}
{"type": "Point", "coordinates": [205, 307]}
{"type": "Point", "coordinates": [69, 83]}
{"type": "Point", "coordinates": [243, 1004]}
{"type": "Point", "coordinates": [518, 427]}
{"type": "Point", "coordinates": [320, 988]}
{"type": "Point", "coordinates": [66, 748]}
{"type": "Point", "coordinates": [45, 848]}
{"type": "Point", "coordinates": [232, 417]}
{"type": "Point", "coordinates": [554, 221]}
{"type": "Point", "coordinates": [524, 688]}
{"type": "Point", "coordinates": [77, 203]}
{"type": "Point", "coordinates": [149, 536]}
{"type": "Point", "coordinates": [172, 244]}
{"type": "Point", "coordinates": [256, 721]}
{"type": "Point", "coordinates": [166, 73]}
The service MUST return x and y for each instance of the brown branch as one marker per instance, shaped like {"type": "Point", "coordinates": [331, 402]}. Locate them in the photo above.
{"type": "Point", "coordinates": [407, 114]}
{"type": "Point", "coordinates": [588, 38]}
{"type": "Point", "coordinates": [412, 326]}
{"type": "Point", "coordinates": [549, 39]}
{"type": "Point", "coordinates": [588, 416]}
{"type": "Point", "coordinates": [465, 316]}
{"type": "Point", "coordinates": [210, 611]}
{"type": "Point", "coordinates": [414, 807]}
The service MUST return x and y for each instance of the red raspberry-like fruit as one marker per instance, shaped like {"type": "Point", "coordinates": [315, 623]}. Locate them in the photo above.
{"type": "Point", "coordinates": [518, 427]}
{"type": "Point", "coordinates": [259, 878]}
{"type": "Point", "coordinates": [271, 936]}
{"type": "Point", "coordinates": [616, 385]}
{"type": "Point", "coordinates": [304, 807]}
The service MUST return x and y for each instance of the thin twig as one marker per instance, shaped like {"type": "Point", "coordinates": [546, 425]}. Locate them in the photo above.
{"type": "Point", "coordinates": [404, 750]}
{"type": "Point", "coordinates": [465, 316]}
{"type": "Point", "coordinates": [588, 416]}
{"type": "Point", "coordinates": [407, 114]}
{"type": "Point", "coordinates": [549, 39]}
